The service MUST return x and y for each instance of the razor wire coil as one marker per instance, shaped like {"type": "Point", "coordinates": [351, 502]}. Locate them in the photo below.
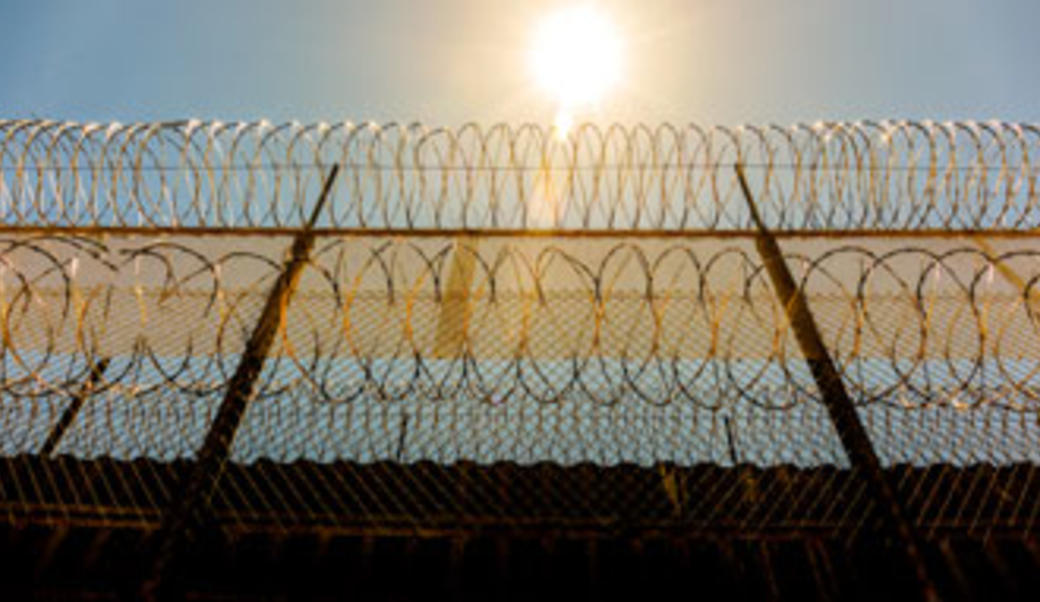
{"type": "Point", "coordinates": [826, 176]}
{"type": "Point", "coordinates": [604, 324]}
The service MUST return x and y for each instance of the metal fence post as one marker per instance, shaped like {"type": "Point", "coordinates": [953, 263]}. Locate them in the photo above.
{"type": "Point", "coordinates": [186, 513]}
{"type": "Point", "coordinates": [835, 397]}
{"type": "Point", "coordinates": [81, 396]}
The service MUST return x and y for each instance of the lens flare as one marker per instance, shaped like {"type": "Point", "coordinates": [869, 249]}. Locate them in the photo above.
{"type": "Point", "coordinates": [563, 123]}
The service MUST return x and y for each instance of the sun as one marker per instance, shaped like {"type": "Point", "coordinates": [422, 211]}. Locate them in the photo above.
{"type": "Point", "coordinates": [576, 56]}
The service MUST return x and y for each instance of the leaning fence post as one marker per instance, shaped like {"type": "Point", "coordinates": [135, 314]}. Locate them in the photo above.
{"type": "Point", "coordinates": [842, 411]}
{"type": "Point", "coordinates": [54, 438]}
{"type": "Point", "coordinates": [185, 514]}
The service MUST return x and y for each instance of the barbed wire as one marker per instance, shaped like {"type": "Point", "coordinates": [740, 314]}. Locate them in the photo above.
{"type": "Point", "coordinates": [464, 328]}
{"type": "Point", "coordinates": [420, 332]}
{"type": "Point", "coordinates": [830, 176]}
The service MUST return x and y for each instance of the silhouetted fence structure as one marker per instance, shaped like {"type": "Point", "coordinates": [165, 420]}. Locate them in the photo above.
{"type": "Point", "coordinates": [519, 330]}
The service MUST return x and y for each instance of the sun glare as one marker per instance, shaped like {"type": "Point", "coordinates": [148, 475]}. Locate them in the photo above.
{"type": "Point", "coordinates": [576, 57]}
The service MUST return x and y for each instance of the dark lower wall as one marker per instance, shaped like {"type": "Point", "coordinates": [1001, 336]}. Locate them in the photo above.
{"type": "Point", "coordinates": [90, 563]}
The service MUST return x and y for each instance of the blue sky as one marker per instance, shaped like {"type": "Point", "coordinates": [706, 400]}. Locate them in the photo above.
{"type": "Point", "coordinates": [450, 61]}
